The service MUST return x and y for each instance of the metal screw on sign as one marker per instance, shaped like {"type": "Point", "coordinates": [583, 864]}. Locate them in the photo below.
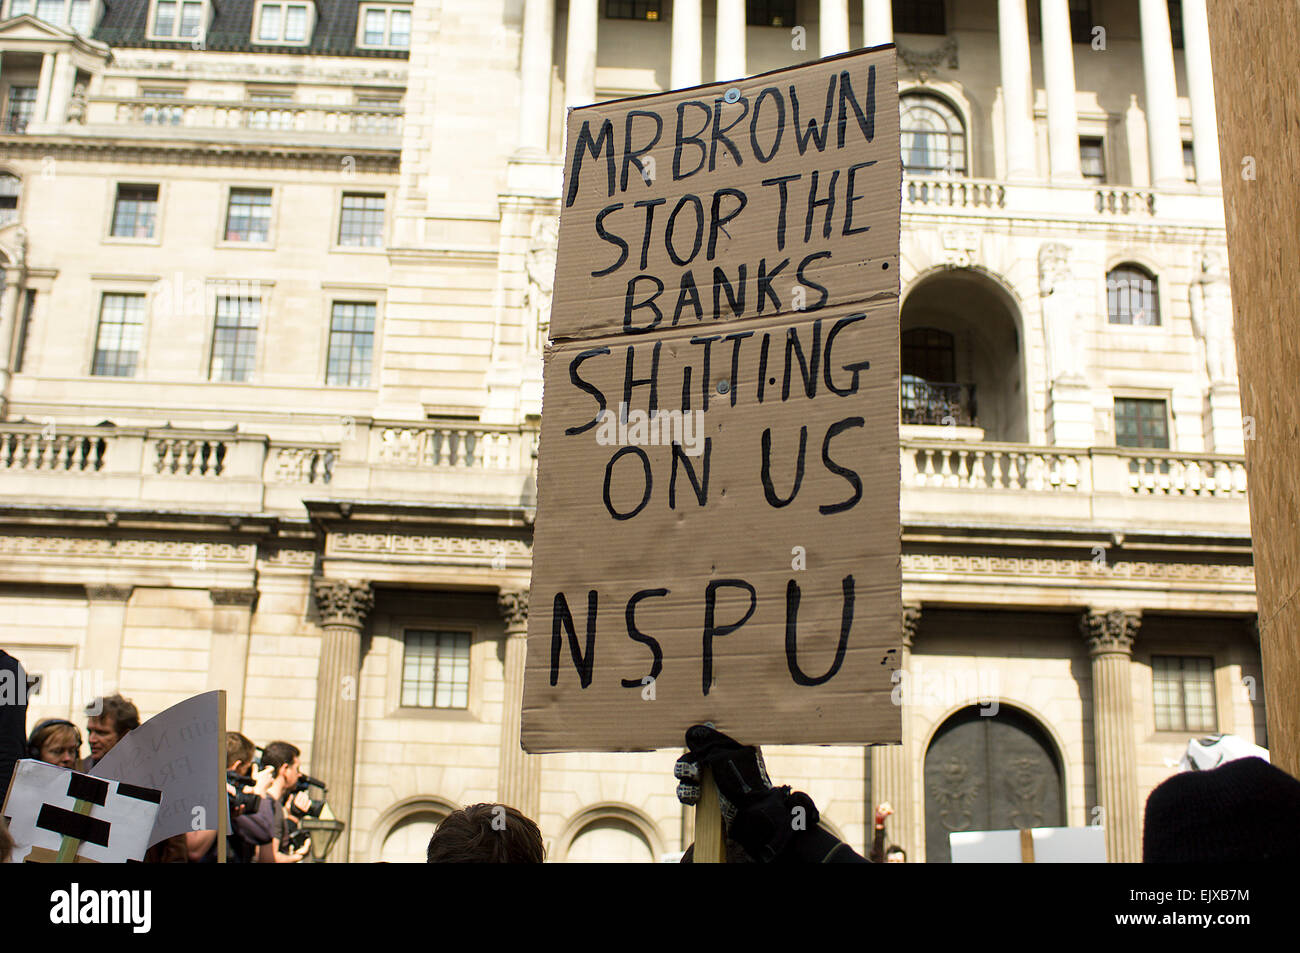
{"type": "Point", "coordinates": [732, 95]}
{"type": "Point", "coordinates": [723, 386]}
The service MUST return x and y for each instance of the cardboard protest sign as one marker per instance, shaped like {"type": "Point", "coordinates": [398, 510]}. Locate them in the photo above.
{"type": "Point", "coordinates": [717, 534]}
{"type": "Point", "coordinates": [1046, 845]}
{"type": "Point", "coordinates": [181, 752]}
{"type": "Point", "coordinates": [47, 804]}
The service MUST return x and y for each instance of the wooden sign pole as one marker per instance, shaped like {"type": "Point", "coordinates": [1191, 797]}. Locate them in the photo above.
{"type": "Point", "coordinates": [69, 846]}
{"type": "Point", "coordinates": [710, 835]}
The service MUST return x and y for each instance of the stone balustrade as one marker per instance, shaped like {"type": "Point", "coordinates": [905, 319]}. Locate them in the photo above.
{"type": "Point", "coordinates": [168, 115]}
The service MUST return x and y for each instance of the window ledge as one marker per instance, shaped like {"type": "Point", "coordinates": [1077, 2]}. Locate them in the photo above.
{"type": "Point", "coordinates": [123, 240]}
{"type": "Point", "coordinates": [434, 714]}
{"type": "Point", "coordinates": [257, 246]}
{"type": "Point", "coordinates": [360, 249]}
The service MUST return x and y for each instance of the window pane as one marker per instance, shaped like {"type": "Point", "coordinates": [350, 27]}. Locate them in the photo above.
{"type": "Point", "coordinates": [117, 343]}
{"type": "Point", "coordinates": [1092, 160]}
{"type": "Point", "coordinates": [190, 16]}
{"type": "Point", "coordinates": [79, 16]}
{"type": "Point", "coordinates": [933, 137]}
{"type": "Point", "coordinates": [164, 23]}
{"type": "Point", "coordinates": [351, 341]}
{"type": "Point", "coordinates": [919, 16]}
{"type": "Point", "coordinates": [135, 211]}
{"type": "Point", "coordinates": [1141, 423]}
{"type": "Point", "coordinates": [249, 216]}
{"type": "Point", "coordinates": [361, 221]}
{"type": "Point", "coordinates": [1189, 162]}
{"type": "Point", "coordinates": [435, 669]}
{"type": "Point", "coordinates": [234, 340]}
{"type": "Point", "coordinates": [1131, 297]}
{"type": "Point", "coordinates": [269, 25]}
{"type": "Point", "coordinates": [51, 11]}
{"type": "Point", "coordinates": [375, 27]}
{"type": "Point", "coordinates": [18, 7]}
{"type": "Point", "coordinates": [295, 24]}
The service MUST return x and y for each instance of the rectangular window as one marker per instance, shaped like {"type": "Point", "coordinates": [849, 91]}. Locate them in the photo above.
{"type": "Point", "coordinates": [164, 19]}
{"type": "Point", "coordinates": [248, 215]}
{"type": "Point", "coordinates": [295, 23]}
{"type": "Point", "coordinates": [435, 669]}
{"type": "Point", "coordinates": [234, 340]}
{"type": "Point", "coordinates": [352, 340]}
{"type": "Point", "coordinates": [268, 27]}
{"type": "Point", "coordinates": [1141, 423]}
{"type": "Point", "coordinates": [11, 189]}
{"type": "Point", "coordinates": [361, 221]}
{"type": "Point", "coordinates": [1092, 159]}
{"type": "Point", "coordinates": [1184, 693]}
{"type": "Point", "coordinates": [121, 330]}
{"type": "Point", "coordinates": [1189, 162]}
{"type": "Point", "coordinates": [386, 26]}
{"type": "Point", "coordinates": [282, 23]}
{"type": "Point", "coordinates": [919, 16]}
{"type": "Point", "coordinates": [79, 17]}
{"type": "Point", "coordinates": [19, 7]}
{"type": "Point", "coordinates": [1176, 23]}
{"type": "Point", "coordinates": [51, 11]}
{"type": "Point", "coordinates": [1081, 21]}
{"type": "Point", "coordinates": [177, 19]}
{"type": "Point", "coordinates": [135, 211]}
{"type": "Point", "coordinates": [22, 104]}
{"type": "Point", "coordinates": [633, 9]}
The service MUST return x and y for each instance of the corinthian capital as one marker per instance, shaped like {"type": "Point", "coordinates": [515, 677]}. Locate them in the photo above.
{"type": "Point", "coordinates": [1110, 631]}
{"type": "Point", "coordinates": [343, 602]}
{"type": "Point", "coordinates": [513, 606]}
{"type": "Point", "coordinates": [911, 621]}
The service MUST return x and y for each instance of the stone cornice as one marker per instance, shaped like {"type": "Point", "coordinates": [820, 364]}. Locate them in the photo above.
{"type": "Point", "coordinates": [118, 147]}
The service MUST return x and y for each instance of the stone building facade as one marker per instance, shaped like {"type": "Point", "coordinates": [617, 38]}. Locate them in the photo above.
{"type": "Point", "coordinates": [276, 284]}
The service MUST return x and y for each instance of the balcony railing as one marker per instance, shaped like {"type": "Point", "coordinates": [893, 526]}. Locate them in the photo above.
{"type": "Point", "coordinates": [168, 113]}
{"type": "Point", "coordinates": [939, 404]}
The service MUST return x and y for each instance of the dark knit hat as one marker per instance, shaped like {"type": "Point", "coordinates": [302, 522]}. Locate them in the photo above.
{"type": "Point", "coordinates": [1241, 811]}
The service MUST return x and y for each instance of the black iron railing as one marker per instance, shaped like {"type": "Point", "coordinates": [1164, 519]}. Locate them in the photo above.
{"type": "Point", "coordinates": [938, 404]}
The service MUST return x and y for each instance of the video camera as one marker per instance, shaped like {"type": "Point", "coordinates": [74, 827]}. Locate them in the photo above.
{"type": "Point", "coordinates": [242, 799]}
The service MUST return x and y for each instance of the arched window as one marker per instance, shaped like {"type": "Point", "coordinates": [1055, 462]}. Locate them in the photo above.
{"type": "Point", "coordinates": [1131, 296]}
{"type": "Point", "coordinates": [610, 840]}
{"type": "Point", "coordinates": [11, 189]}
{"type": "Point", "coordinates": [933, 137]}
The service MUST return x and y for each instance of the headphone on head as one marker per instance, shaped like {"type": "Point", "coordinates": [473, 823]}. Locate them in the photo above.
{"type": "Point", "coordinates": [34, 749]}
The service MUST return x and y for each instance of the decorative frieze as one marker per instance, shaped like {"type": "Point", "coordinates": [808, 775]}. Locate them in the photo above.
{"type": "Point", "coordinates": [1086, 570]}
{"type": "Point", "coordinates": [398, 544]}
{"type": "Point", "coordinates": [343, 602]}
{"type": "Point", "coordinates": [163, 550]}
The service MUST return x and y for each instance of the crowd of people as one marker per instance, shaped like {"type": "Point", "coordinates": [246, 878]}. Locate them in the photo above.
{"type": "Point", "coordinates": [268, 792]}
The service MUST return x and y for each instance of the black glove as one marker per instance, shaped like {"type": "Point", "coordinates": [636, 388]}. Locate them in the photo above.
{"type": "Point", "coordinates": [759, 817]}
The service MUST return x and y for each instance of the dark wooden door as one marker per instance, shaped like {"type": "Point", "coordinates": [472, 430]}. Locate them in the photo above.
{"type": "Point", "coordinates": [989, 773]}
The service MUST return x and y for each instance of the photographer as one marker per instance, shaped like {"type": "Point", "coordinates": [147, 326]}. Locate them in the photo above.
{"type": "Point", "coordinates": [251, 809]}
{"type": "Point", "coordinates": [281, 759]}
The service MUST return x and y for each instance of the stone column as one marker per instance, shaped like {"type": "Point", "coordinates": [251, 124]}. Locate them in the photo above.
{"type": "Point", "coordinates": [580, 53]}
{"type": "Point", "coordinates": [687, 67]}
{"type": "Point", "coordinates": [1200, 89]}
{"type": "Point", "coordinates": [1109, 635]}
{"type": "Point", "coordinates": [535, 75]}
{"type": "Point", "coordinates": [519, 784]}
{"type": "Point", "coordinates": [833, 27]}
{"type": "Point", "coordinates": [105, 621]}
{"type": "Point", "coordinates": [43, 88]}
{"type": "Point", "coordinates": [343, 607]}
{"type": "Point", "coordinates": [877, 22]}
{"type": "Point", "coordinates": [232, 616]}
{"type": "Point", "coordinates": [1164, 139]}
{"type": "Point", "coordinates": [1017, 101]}
{"type": "Point", "coordinates": [61, 88]}
{"type": "Point", "coordinates": [729, 53]}
{"type": "Point", "coordinates": [1058, 75]}
{"type": "Point", "coordinates": [891, 775]}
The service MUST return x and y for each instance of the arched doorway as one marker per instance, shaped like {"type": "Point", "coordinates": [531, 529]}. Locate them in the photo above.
{"type": "Point", "coordinates": [990, 773]}
{"type": "Point", "coordinates": [961, 357]}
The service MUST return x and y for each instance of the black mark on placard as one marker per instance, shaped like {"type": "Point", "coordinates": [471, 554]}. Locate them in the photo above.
{"type": "Point", "coordinates": [792, 633]}
{"type": "Point", "coordinates": [856, 368]}
{"type": "Point", "coordinates": [812, 132]}
{"type": "Point", "coordinates": [631, 382]}
{"type": "Point", "coordinates": [807, 368]}
{"type": "Point", "coordinates": [589, 388]}
{"type": "Point", "coordinates": [562, 618]}
{"type": "Point", "coordinates": [83, 787]}
{"type": "Point", "coordinates": [609, 477]}
{"type": "Point", "coordinates": [602, 143]}
{"type": "Point", "coordinates": [636, 635]}
{"type": "Point", "coordinates": [719, 132]}
{"type": "Point", "coordinates": [768, 489]}
{"type": "Point", "coordinates": [82, 827]}
{"type": "Point", "coordinates": [701, 486]}
{"type": "Point", "coordinates": [866, 123]}
{"type": "Point", "coordinates": [695, 140]}
{"type": "Point", "coordinates": [632, 156]}
{"type": "Point", "coordinates": [614, 240]}
{"type": "Point", "coordinates": [855, 481]}
{"type": "Point", "coordinates": [779, 125]}
{"type": "Point", "coordinates": [712, 631]}
{"type": "Point", "coordinates": [140, 794]}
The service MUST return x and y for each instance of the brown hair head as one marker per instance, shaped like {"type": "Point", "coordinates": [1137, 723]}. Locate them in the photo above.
{"type": "Point", "coordinates": [486, 834]}
{"type": "Point", "coordinates": [123, 715]}
{"type": "Point", "coordinates": [238, 748]}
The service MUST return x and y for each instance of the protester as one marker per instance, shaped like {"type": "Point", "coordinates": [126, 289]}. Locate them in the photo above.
{"type": "Point", "coordinates": [108, 720]}
{"type": "Point", "coordinates": [13, 716]}
{"type": "Point", "coordinates": [281, 758]}
{"type": "Point", "coordinates": [877, 854]}
{"type": "Point", "coordinates": [6, 843]}
{"type": "Point", "coordinates": [1244, 810]}
{"type": "Point", "coordinates": [772, 825]}
{"type": "Point", "coordinates": [486, 834]}
{"type": "Point", "coordinates": [248, 831]}
{"type": "Point", "coordinates": [55, 741]}
{"type": "Point", "coordinates": [895, 855]}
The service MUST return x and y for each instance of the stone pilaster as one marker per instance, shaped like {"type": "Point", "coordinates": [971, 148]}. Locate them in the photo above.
{"type": "Point", "coordinates": [891, 775]}
{"type": "Point", "coordinates": [343, 607]}
{"type": "Point", "coordinates": [105, 622]}
{"type": "Point", "coordinates": [519, 778]}
{"type": "Point", "coordinates": [1109, 636]}
{"type": "Point", "coordinates": [232, 616]}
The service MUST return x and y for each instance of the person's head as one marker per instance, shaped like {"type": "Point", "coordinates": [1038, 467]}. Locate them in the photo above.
{"type": "Point", "coordinates": [486, 834]}
{"type": "Point", "coordinates": [109, 719]}
{"type": "Point", "coordinates": [55, 741]}
{"type": "Point", "coordinates": [283, 758]}
{"type": "Point", "coordinates": [239, 753]}
{"type": "Point", "coordinates": [895, 855]}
